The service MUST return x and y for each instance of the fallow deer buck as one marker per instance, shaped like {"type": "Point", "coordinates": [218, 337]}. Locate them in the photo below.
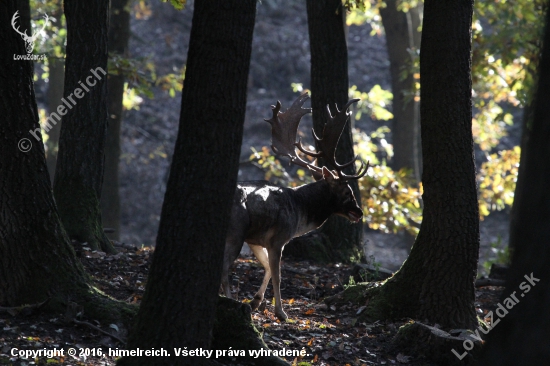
{"type": "Point", "coordinates": [266, 217]}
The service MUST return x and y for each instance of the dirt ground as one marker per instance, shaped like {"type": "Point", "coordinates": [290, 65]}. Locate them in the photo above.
{"type": "Point", "coordinates": [329, 335]}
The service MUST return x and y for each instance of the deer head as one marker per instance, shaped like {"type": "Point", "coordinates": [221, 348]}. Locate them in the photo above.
{"type": "Point", "coordinates": [284, 128]}
{"type": "Point", "coordinates": [29, 40]}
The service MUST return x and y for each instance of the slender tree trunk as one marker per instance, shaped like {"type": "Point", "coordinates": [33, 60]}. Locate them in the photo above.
{"type": "Point", "coordinates": [55, 93]}
{"type": "Point", "coordinates": [37, 261]}
{"type": "Point", "coordinates": [523, 336]}
{"type": "Point", "coordinates": [437, 280]}
{"type": "Point", "coordinates": [79, 172]}
{"type": "Point", "coordinates": [119, 34]}
{"type": "Point", "coordinates": [180, 299]}
{"type": "Point", "coordinates": [402, 36]}
{"type": "Point", "coordinates": [514, 242]}
{"type": "Point", "coordinates": [329, 86]}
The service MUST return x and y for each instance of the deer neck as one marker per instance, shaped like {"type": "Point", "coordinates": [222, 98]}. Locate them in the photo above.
{"type": "Point", "coordinates": [316, 203]}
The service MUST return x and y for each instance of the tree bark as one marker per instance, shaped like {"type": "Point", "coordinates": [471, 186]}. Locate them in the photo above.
{"type": "Point", "coordinates": [24, 8]}
{"type": "Point", "coordinates": [37, 261]}
{"type": "Point", "coordinates": [56, 80]}
{"type": "Point", "coordinates": [329, 86]}
{"type": "Point", "coordinates": [55, 93]}
{"type": "Point", "coordinates": [80, 161]}
{"type": "Point", "coordinates": [179, 304]}
{"type": "Point", "coordinates": [402, 35]}
{"type": "Point", "coordinates": [522, 337]}
{"type": "Point", "coordinates": [119, 34]}
{"type": "Point", "coordinates": [514, 242]}
{"type": "Point", "coordinates": [436, 282]}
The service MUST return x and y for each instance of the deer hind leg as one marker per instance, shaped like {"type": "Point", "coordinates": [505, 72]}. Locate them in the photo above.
{"type": "Point", "coordinates": [261, 255]}
{"type": "Point", "coordinates": [234, 239]}
{"type": "Point", "coordinates": [275, 264]}
{"type": "Point", "coordinates": [232, 250]}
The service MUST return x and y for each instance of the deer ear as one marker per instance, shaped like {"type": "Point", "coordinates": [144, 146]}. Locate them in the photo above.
{"type": "Point", "coordinates": [327, 175]}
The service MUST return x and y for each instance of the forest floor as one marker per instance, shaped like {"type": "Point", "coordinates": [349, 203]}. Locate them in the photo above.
{"type": "Point", "coordinates": [330, 336]}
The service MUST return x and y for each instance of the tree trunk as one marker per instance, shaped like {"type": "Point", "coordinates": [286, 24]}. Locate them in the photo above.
{"type": "Point", "coordinates": [437, 280]}
{"type": "Point", "coordinates": [401, 36]}
{"type": "Point", "coordinates": [329, 86]}
{"type": "Point", "coordinates": [55, 93]}
{"type": "Point", "coordinates": [56, 80]}
{"type": "Point", "coordinates": [119, 33]}
{"type": "Point", "coordinates": [526, 124]}
{"type": "Point", "coordinates": [522, 337]}
{"type": "Point", "coordinates": [24, 8]}
{"type": "Point", "coordinates": [37, 261]}
{"type": "Point", "coordinates": [79, 172]}
{"type": "Point", "coordinates": [234, 329]}
{"type": "Point", "coordinates": [179, 304]}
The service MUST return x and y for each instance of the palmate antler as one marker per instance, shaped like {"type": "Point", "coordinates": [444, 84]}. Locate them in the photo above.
{"type": "Point", "coordinates": [284, 127]}
{"type": "Point", "coordinates": [328, 142]}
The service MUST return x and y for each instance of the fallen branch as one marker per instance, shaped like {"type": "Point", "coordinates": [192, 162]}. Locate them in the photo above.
{"type": "Point", "coordinates": [25, 309]}
{"type": "Point", "coordinates": [489, 282]}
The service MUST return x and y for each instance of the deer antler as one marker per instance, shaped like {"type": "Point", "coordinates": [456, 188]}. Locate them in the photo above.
{"type": "Point", "coordinates": [332, 132]}
{"type": "Point", "coordinates": [284, 127]}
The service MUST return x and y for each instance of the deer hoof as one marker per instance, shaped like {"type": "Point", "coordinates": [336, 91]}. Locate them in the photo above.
{"type": "Point", "coordinates": [281, 315]}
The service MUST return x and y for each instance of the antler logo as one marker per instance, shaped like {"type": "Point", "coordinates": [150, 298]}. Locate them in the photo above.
{"type": "Point", "coordinates": [29, 40]}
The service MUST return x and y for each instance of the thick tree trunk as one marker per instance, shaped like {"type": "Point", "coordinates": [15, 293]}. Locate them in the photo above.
{"type": "Point", "coordinates": [55, 93]}
{"type": "Point", "coordinates": [37, 261]}
{"type": "Point", "coordinates": [79, 172]}
{"type": "Point", "coordinates": [522, 337]}
{"type": "Point", "coordinates": [402, 36]}
{"type": "Point", "coordinates": [119, 33]}
{"type": "Point", "coordinates": [24, 8]}
{"type": "Point", "coordinates": [329, 86]}
{"type": "Point", "coordinates": [31, 235]}
{"type": "Point", "coordinates": [234, 329]}
{"type": "Point", "coordinates": [437, 280]}
{"type": "Point", "coordinates": [178, 307]}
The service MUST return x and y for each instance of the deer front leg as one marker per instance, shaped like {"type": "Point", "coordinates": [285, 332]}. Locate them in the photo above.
{"type": "Point", "coordinates": [261, 255]}
{"type": "Point", "coordinates": [275, 264]}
